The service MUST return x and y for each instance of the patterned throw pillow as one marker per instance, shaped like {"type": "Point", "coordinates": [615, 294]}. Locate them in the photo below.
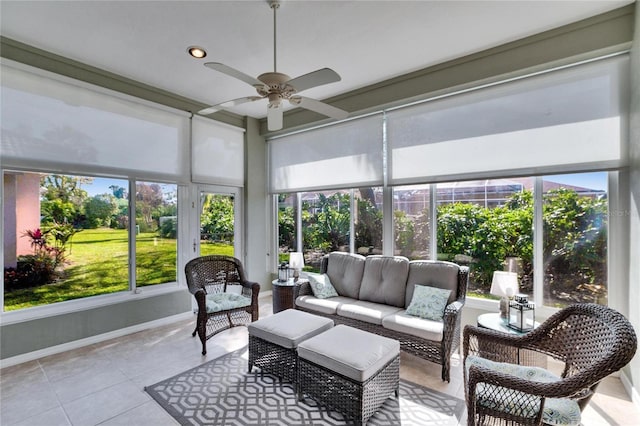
{"type": "Point", "coordinates": [321, 286]}
{"type": "Point", "coordinates": [428, 302]}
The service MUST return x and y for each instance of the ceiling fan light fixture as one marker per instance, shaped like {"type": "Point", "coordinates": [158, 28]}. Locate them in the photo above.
{"type": "Point", "coordinates": [197, 52]}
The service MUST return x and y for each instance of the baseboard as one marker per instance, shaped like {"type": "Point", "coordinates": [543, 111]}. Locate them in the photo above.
{"type": "Point", "coordinates": [30, 356]}
{"type": "Point", "coordinates": [631, 390]}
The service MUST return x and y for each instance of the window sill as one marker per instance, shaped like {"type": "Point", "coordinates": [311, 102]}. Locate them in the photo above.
{"type": "Point", "coordinates": [44, 311]}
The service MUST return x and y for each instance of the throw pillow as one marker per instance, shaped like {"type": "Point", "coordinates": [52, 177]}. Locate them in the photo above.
{"type": "Point", "coordinates": [321, 286]}
{"type": "Point", "coordinates": [428, 302]}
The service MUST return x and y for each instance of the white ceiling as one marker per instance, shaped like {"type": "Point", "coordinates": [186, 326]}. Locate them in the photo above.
{"type": "Point", "coordinates": [364, 41]}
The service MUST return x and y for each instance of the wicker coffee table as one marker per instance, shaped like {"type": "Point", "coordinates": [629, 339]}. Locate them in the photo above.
{"type": "Point", "coordinates": [349, 370]}
{"type": "Point", "coordinates": [273, 341]}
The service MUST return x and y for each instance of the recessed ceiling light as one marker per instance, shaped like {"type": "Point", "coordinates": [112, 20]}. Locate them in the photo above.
{"type": "Point", "coordinates": [197, 52]}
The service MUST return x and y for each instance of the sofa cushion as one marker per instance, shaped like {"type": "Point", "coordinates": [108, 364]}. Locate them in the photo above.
{"type": "Point", "coordinates": [428, 302]}
{"type": "Point", "coordinates": [366, 311]}
{"type": "Point", "coordinates": [433, 273]}
{"type": "Point", "coordinates": [345, 272]}
{"type": "Point", "coordinates": [326, 306]}
{"type": "Point", "coordinates": [385, 280]}
{"type": "Point", "coordinates": [415, 326]}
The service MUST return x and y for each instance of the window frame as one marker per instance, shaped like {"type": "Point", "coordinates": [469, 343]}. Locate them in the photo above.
{"type": "Point", "coordinates": [133, 291]}
{"type": "Point", "coordinates": [614, 233]}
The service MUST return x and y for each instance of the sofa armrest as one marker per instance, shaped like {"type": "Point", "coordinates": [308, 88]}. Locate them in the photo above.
{"type": "Point", "coordinates": [305, 289]}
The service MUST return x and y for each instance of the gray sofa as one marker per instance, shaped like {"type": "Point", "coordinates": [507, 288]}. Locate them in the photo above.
{"type": "Point", "coordinates": [374, 292]}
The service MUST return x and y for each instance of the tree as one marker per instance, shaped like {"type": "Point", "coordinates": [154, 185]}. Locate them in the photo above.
{"type": "Point", "coordinates": [148, 198]}
{"type": "Point", "coordinates": [62, 198]}
{"type": "Point", "coordinates": [217, 219]}
{"type": "Point", "coordinates": [99, 209]}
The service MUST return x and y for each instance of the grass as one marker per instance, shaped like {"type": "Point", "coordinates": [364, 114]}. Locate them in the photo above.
{"type": "Point", "coordinates": [97, 263]}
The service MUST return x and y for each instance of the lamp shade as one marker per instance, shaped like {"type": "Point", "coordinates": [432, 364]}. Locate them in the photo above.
{"type": "Point", "coordinates": [504, 284]}
{"type": "Point", "coordinates": [296, 260]}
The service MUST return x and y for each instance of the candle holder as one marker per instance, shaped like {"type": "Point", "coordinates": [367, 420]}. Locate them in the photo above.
{"type": "Point", "coordinates": [283, 272]}
{"type": "Point", "coordinates": [521, 314]}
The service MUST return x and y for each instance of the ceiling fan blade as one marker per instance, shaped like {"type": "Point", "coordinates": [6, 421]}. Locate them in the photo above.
{"type": "Point", "coordinates": [314, 79]}
{"type": "Point", "coordinates": [232, 72]}
{"type": "Point", "coordinates": [229, 104]}
{"type": "Point", "coordinates": [274, 116]}
{"type": "Point", "coordinates": [319, 107]}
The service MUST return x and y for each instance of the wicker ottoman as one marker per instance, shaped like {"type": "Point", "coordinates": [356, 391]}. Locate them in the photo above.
{"type": "Point", "coordinates": [349, 370]}
{"type": "Point", "coordinates": [273, 341]}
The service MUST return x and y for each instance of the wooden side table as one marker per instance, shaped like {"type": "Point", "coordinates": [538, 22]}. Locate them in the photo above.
{"type": "Point", "coordinates": [493, 321]}
{"type": "Point", "coordinates": [284, 293]}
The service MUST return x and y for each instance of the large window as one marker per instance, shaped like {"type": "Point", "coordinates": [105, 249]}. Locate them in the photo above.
{"type": "Point", "coordinates": [67, 236]}
{"type": "Point", "coordinates": [487, 225]}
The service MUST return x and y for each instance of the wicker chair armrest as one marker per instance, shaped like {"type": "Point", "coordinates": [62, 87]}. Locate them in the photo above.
{"type": "Point", "coordinates": [255, 290]}
{"type": "Point", "coordinates": [200, 296]}
{"type": "Point", "coordinates": [452, 312]}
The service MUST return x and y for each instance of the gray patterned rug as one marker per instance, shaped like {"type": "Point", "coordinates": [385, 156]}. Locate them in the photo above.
{"type": "Point", "coordinates": [222, 392]}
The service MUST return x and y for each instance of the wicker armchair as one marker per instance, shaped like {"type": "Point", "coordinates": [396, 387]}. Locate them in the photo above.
{"type": "Point", "coordinates": [590, 341]}
{"type": "Point", "coordinates": [225, 297]}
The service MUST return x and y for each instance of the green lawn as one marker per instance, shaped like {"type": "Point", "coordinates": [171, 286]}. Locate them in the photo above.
{"type": "Point", "coordinates": [97, 264]}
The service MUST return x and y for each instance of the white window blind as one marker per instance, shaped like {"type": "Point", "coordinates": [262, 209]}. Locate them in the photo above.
{"type": "Point", "coordinates": [571, 119]}
{"type": "Point", "coordinates": [217, 153]}
{"type": "Point", "coordinates": [345, 155]}
{"type": "Point", "coordinates": [56, 123]}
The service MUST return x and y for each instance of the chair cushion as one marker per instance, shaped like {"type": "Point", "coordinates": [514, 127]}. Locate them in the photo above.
{"type": "Point", "coordinates": [428, 302]}
{"type": "Point", "coordinates": [345, 272]}
{"type": "Point", "coordinates": [385, 280]}
{"type": "Point", "coordinates": [414, 326]}
{"type": "Point", "coordinates": [557, 411]}
{"type": "Point", "coordinates": [321, 286]}
{"type": "Point", "coordinates": [218, 302]}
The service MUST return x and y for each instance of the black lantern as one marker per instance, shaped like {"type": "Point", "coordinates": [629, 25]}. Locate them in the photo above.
{"type": "Point", "coordinates": [283, 272]}
{"type": "Point", "coordinates": [521, 314]}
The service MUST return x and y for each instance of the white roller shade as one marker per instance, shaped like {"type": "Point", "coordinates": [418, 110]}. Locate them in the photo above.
{"type": "Point", "coordinates": [56, 123]}
{"type": "Point", "coordinates": [341, 156]}
{"type": "Point", "coordinates": [571, 119]}
{"type": "Point", "coordinates": [217, 153]}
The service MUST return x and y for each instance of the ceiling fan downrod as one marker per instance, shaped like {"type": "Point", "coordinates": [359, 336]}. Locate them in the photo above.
{"type": "Point", "coordinates": [274, 4]}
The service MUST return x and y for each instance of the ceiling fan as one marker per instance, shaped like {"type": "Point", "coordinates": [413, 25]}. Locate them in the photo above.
{"type": "Point", "coordinates": [276, 87]}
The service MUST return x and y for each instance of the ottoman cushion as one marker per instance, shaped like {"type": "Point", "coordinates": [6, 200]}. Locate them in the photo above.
{"type": "Point", "coordinates": [289, 327]}
{"type": "Point", "coordinates": [351, 352]}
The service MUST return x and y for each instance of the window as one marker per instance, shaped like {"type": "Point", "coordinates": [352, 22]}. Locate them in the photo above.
{"type": "Point", "coordinates": [412, 221]}
{"type": "Point", "coordinates": [484, 224]}
{"type": "Point", "coordinates": [575, 238]}
{"type": "Point", "coordinates": [156, 233]}
{"type": "Point", "coordinates": [67, 236]}
{"type": "Point", "coordinates": [487, 225]}
{"type": "Point", "coordinates": [326, 218]}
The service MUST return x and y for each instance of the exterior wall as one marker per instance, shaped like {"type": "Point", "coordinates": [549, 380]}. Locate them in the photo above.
{"type": "Point", "coordinates": [21, 213]}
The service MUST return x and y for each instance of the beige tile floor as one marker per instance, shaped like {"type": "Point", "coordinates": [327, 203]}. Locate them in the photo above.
{"type": "Point", "coordinates": [102, 384]}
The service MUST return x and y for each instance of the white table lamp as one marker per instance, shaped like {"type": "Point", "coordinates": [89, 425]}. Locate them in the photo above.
{"type": "Point", "coordinates": [504, 285]}
{"type": "Point", "coordinates": [296, 262]}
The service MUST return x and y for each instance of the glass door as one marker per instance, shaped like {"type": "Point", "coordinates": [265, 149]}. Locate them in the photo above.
{"type": "Point", "coordinates": [219, 221]}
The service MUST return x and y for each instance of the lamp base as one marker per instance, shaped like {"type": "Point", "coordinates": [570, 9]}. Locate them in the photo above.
{"type": "Point", "coordinates": [504, 308]}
